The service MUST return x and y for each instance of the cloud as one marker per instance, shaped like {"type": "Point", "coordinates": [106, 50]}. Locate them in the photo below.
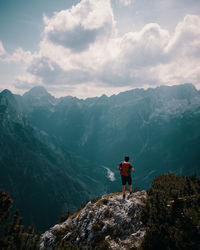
{"type": "Point", "coordinates": [82, 25]}
{"type": "Point", "coordinates": [81, 51]}
{"type": "Point", "coordinates": [152, 56]}
{"type": "Point", "coordinates": [14, 69]}
{"type": "Point", "coordinates": [52, 73]}
{"type": "Point", "coordinates": [76, 44]}
{"type": "Point", "coordinates": [184, 52]}
{"type": "Point", "coordinates": [110, 174]}
{"type": "Point", "coordinates": [186, 39]}
{"type": "Point", "coordinates": [2, 50]}
{"type": "Point", "coordinates": [19, 56]}
{"type": "Point", "coordinates": [126, 2]}
{"type": "Point", "coordinates": [144, 48]}
{"type": "Point", "coordinates": [112, 61]}
{"type": "Point", "coordinates": [77, 39]}
{"type": "Point", "coordinates": [148, 57]}
{"type": "Point", "coordinates": [26, 81]}
{"type": "Point", "coordinates": [138, 53]}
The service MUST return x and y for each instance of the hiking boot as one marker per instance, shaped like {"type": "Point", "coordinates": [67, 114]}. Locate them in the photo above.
{"type": "Point", "coordinates": [129, 196]}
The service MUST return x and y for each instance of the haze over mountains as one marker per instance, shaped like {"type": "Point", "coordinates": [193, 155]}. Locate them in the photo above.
{"type": "Point", "coordinates": [57, 153]}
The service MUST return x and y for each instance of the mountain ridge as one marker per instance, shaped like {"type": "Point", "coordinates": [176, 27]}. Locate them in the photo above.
{"type": "Point", "coordinates": [77, 141]}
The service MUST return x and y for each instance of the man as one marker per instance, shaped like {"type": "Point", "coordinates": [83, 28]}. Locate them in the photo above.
{"type": "Point", "coordinates": [126, 168]}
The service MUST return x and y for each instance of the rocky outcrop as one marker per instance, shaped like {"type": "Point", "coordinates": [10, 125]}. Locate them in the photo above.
{"type": "Point", "coordinates": [109, 218]}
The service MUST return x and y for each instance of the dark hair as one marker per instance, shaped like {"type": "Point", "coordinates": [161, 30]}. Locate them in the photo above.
{"type": "Point", "coordinates": [126, 158]}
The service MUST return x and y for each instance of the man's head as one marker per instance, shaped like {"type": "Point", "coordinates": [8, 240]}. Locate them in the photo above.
{"type": "Point", "coordinates": [126, 158]}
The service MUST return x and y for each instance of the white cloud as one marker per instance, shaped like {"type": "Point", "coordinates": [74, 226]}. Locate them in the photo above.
{"type": "Point", "coordinates": [26, 81]}
{"type": "Point", "coordinates": [138, 53]}
{"type": "Point", "coordinates": [126, 2]}
{"type": "Point", "coordinates": [182, 70]}
{"type": "Point", "coordinates": [144, 48]}
{"type": "Point", "coordinates": [186, 39]}
{"type": "Point", "coordinates": [153, 57]}
{"type": "Point", "coordinates": [19, 56]}
{"type": "Point", "coordinates": [2, 50]}
{"type": "Point", "coordinates": [150, 56]}
{"type": "Point", "coordinates": [85, 90]}
{"type": "Point", "coordinates": [184, 52]}
{"type": "Point", "coordinates": [112, 60]}
{"type": "Point", "coordinates": [82, 52]}
{"type": "Point", "coordinates": [52, 73]}
{"type": "Point", "coordinates": [76, 44]}
{"type": "Point", "coordinates": [14, 70]}
{"type": "Point", "coordinates": [81, 26]}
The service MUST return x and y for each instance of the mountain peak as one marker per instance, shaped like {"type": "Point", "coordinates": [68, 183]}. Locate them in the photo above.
{"type": "Point", "coordinates": [6, 92]}
{"type": "Point", "coordinates": [9, 107]}
{"type": "Point", "coordinates": [37, 92]}
{"type": "Point", "coordinates": [109, 218]}
{"type": "Point", "coordinates": [38, 97]}
{"type": "Point", "coordinates": [6, 96]}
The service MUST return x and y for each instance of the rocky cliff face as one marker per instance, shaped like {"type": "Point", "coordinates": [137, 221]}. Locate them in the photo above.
{"type": "Point", "coordinates": [109, 219]}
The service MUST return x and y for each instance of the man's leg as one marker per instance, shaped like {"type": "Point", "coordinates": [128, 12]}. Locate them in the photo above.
{"type": "Point", "coordinates": [123, 191]}
{"type": "Point", "coordinates": [130, 184]}
{"type": "Point", "coordinates": [123, 185]}
{"type": "Point", "coordinates": [130, 189]}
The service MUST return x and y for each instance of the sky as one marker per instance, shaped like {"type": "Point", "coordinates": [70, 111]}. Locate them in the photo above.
{"type": "Point", "coordinates": [92, 47]}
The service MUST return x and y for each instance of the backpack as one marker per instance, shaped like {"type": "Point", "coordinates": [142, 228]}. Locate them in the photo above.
{"type": "Point", "coordinates": [125, 168]}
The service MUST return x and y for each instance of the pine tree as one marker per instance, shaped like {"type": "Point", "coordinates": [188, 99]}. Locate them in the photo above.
{"type": "Point", "coordinates": [13, 235]}
{"type": "Point", "coordinates": [172, 213]}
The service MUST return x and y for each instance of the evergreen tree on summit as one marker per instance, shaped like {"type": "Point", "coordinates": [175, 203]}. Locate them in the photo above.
{"type": "Point", "coordinates": [13, 234]}
{"type": "Point", "coordinates": [172, 213]}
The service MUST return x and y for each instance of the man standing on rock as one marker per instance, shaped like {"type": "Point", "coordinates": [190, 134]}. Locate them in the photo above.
{"type": "Point", "coordinates": [126, 168]}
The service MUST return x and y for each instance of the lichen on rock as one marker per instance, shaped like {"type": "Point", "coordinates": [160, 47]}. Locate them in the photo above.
{"type": "Point", "coordinates": [109, 218]}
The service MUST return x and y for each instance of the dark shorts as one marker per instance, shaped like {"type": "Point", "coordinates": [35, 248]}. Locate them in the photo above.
{"type": "Point", "coordinates": [126, 179]}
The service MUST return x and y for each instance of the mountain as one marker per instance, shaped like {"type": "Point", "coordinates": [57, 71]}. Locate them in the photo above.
{"type": "Point", "coordinates": [37, 97]}
{"type": "Point", "coordinates": [9, 107]}
{"type": "Point", "coordinates": [158, 128]}
{"type": "Point", "coordinates": [39, 173]}
{"type": "Point", "coordinates": [59, 152]}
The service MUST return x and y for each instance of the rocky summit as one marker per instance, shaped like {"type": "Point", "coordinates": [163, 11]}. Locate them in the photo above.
{"type": "Point", "coordinates": [109, 220]}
